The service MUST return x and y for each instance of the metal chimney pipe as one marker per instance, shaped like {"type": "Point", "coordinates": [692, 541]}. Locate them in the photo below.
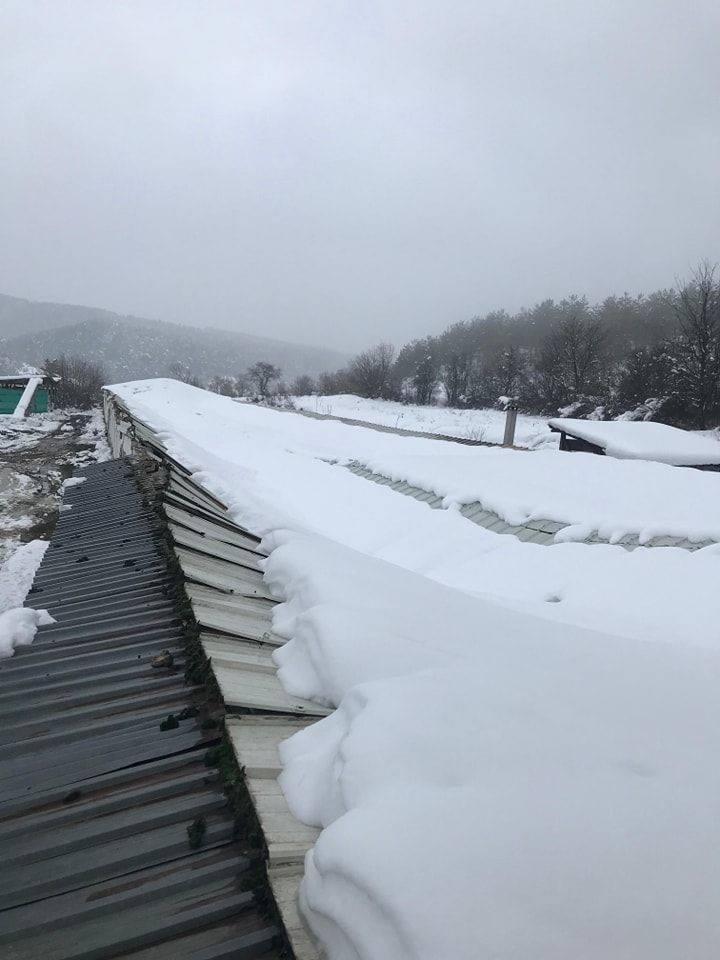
{"type": "Point", "coordinates": [510, 421]}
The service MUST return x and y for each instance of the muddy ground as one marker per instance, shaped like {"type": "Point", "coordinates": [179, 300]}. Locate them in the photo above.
{"type": "Point", "coordinates": [36, 455]}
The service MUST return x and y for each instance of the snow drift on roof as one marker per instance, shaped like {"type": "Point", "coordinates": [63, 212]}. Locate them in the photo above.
{"type": "Point", "coordinates": [618, 497]}
{"type": "Point", "coordinates": [491, 784]}
{"type": "Point", "coordinates": [643, 440]}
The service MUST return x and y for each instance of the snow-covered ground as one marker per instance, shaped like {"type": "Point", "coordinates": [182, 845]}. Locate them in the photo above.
{"type": "Point", "coordinates": [487, 425]}
{"type": "Point", "coordinates": [36, 454]}
{"type": "Point", "coordinates": [18, 434]}
{"type": "Point", "coordinates": [522, 758]}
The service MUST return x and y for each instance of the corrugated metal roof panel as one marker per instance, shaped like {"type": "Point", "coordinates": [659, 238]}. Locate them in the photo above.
{"type": "Point", "coordinates": [95, 798]}
{"type": "Point", "coordinates": [533, 531]}
{"type": "Point", "coordinates": [211, 527]}
{"type": "Point", "coordinates": [232, 606]}
{"type": "Point", "coordinates": [203, 569]}
{"type": "Point", "coordinates": [194, 494]}
{"type": "Point", "coordinates": [214, 547]}
{"type": "Point", "coordinates": [230, 623]}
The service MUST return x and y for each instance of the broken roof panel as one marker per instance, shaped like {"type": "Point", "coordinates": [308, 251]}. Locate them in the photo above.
{"type": "Point", "coordinates": [95, 797]}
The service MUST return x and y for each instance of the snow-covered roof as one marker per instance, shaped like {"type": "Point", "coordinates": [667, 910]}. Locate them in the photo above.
{"type": "Point", "coordinates": [25, 377]}
{"type": "Point", "coordinates": [642, 440]}
{"type": "Point", "coordinates": [545, 705]}
{"type": "Point", "coordinates": [586, 493]}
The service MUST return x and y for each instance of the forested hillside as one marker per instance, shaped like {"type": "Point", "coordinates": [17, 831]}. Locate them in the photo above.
{"type": "Point", "coordinates": [644, 357]}
{"type": "Point", "coordinates": [131, 348]}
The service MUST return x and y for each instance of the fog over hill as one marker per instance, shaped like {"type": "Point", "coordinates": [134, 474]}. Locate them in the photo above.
{"type": "Point", "coordinates": [133, 348]}
{"type": "Point", "coordinates": [21, 316]}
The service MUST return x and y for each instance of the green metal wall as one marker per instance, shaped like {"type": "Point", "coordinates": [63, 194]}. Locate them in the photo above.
{"type": "Point", "coordinates": [10, 397]}
{"type": "Point", "coordinates": [41, 401]}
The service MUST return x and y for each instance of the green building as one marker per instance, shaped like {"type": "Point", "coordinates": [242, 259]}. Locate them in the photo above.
{"type": "Point", "coordinates": [12, 389]}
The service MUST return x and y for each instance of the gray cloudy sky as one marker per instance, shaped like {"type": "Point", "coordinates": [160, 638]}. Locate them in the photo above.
{"type": "Point", "coordinates": [340, 171]}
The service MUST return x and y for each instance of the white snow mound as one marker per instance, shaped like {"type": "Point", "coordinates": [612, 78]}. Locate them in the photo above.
{"type": "Point", "coordinates": [18, 628]}
{"type": "Point", "coordinates": [522, 759]}
{"type": "Point", "coordinates": [493, 786]}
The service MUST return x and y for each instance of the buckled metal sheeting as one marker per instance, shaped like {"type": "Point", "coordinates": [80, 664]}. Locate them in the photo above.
{"type": "Point", "coordinates": [532, 531]}
{"type": "Point", "coordinates": [221, 564]}
{"type": "Point", "coordinates": [96, 800]}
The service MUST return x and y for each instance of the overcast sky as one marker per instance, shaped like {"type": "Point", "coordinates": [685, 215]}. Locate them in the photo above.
{"type": "Point", "coordinates": [341, 171]}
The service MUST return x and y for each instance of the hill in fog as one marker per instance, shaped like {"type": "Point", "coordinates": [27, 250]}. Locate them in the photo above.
{"type": "Point", "coordinates": [132, 348]}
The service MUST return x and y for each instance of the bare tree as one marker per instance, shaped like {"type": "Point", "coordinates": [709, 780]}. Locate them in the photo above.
{"type": "Point", "coordinates": [425, 379]}
{"type": "Point", "coordinates": [509, 368]}
{"type": "Point", "coordinates": [179, 370]}
{"type": "Point", "coordinates": [697, 356]}
{"type": "Point", "coordinates": [455, 375]}
{"type": "Point", "coordinates": [261, 375]}
{"type": "Point", "coordinates": [329, 384]}
{"type": "Point", "coordinates": [570, 356]}
{"type": "Point", "coordinates": [225, 386]}
{"type": "Point", "coordinates": [370, 371]}
{"type": "Point", "coordinates": [80, 381]}
{"type": "Point", "coordinates": [302, 386]}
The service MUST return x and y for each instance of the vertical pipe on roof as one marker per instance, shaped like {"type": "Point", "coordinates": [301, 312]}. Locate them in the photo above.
{"type": "Point", "coordinates": [510, 422]}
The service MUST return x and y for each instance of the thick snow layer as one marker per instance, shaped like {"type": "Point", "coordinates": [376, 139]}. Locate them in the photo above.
{"type": "Point", "coordinates": [487, 425]}
{"type": "Point", "coordinates": [492, 786]}
{"type": "Point", "coordinates": [262, 464]}
{"type": "Point", "coordinates": [18, 628]}
{"type": "Point", "coordinates": [616, 497]}
{"type": "Point", "coordinates": [643, 440]}
{"type": "Point", "coordinates": [522, 759]}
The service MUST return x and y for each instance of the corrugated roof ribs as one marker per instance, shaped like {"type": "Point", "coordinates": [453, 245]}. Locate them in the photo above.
{"type": "Point", "coordinates": [232, 609]}
{"type": "Point", "coordinates": [117, 838]}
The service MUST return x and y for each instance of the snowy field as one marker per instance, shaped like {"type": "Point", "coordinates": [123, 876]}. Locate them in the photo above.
{"type": "Point", "coordinates": [522, 758]}
{"type": "Point", "coordinates": [487, 425]}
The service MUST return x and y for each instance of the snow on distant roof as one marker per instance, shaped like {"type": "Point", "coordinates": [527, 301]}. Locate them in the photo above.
{"type": "Point", "coordinates": [24, 371]}
{"type": "Point", "coordinates": [641, 440]}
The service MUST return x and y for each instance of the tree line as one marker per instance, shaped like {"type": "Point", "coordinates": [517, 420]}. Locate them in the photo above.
{"type": "Point", "coordinates": [261, 380]}
{"type": "Point", "coordinates": [645, 357]}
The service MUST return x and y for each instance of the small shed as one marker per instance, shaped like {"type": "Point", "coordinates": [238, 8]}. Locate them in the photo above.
{"type": "Point", "coordinates": [638, 440]}
{"type": "Point", "coordinates": [21, 394]}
